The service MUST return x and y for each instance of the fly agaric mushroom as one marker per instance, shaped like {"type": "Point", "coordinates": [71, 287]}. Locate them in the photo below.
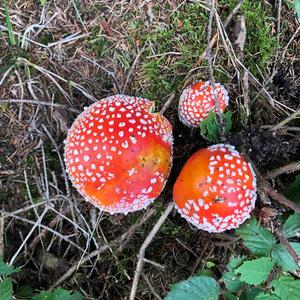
{"type": "Point", "coordinates": [197, 101]}
{"type": "Point", "coordinates": [118, 153]}
{"type": "Point", "coordinates": [216, 189]}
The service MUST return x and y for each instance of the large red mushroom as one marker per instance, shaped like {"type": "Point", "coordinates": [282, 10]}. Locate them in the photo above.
{"type": "Point", "coordinates": [118, 153]}
{"type": "Point", "coordinates": [197, 100]}
{"type": "Point", "coordinates": [216, 189]}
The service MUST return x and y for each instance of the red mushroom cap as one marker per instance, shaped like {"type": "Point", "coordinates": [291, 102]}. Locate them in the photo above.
{"type": "Point", "coordinates": [118, 153]}
{"type": "Point", "coordinates": [216, 189]}
{"type": "Point", "coordinates": [197, 101]}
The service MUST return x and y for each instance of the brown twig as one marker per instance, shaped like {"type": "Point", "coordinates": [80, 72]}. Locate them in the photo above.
{"type": "Point", "coordinates": [44, 231]}
{"type": "Point", "coordinates": [290, 168]}
{"type": "Point", "coordinates": [144, 246]}
{"type": "Point", "coordinates": [207, 243]}
{"type": "Point", "coordinates": [266, 188]}
{"type": "Point", "coordinates": [118, 241]}
{"type": "Point", "coordinates": [287, 120]}
{"type": "Point", "coordinates": [167, 103]}
{"type": "Point", "coordinates": [287, 245]}
{"type": "Point", "coordinates": [279, 197]}
{"type": "Point", "coordinates": [150, 286]}
{"type": "Point", "coordinates": [213, 40]}
{"type": "Point", "coordinates": [225, 23]}
{"type": "Point", "coordinates": [211, 71]}
{"type": "Point", "coordinates": [135, 62]}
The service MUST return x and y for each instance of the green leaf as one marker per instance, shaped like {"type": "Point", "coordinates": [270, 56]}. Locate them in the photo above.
{"type": "Point", "coordinates": [24, 292]}
{"type": "Point", "coordinates": [283, 258]}
{"type": "Point", "coordinates": [259, 240]}
{"type": "Point", "coordinates": [6, 269]}
{"type": "Point", "coordinates": [58, 294]}
{"type": "Point", "coordinates": [230, 279]}
{"type": "Point", "coordinates": [286, 287]}
{"type": "Point", "coordinates": [228, 121]}
{"type": "Point", "coordinates": [43, 2]}
{"type": "Point", "coordinates": [195, 288]}
{"type": "Point", "coordinates": [250, 294]}
{"type": "Point", "coordinates": [297, 8]}
{"type": "Point", "coordinates": [210, 128]}
{"type": "Point", "coordinates": [296, 247]}
{"type": "Point", "coordinates": [293, 191]}
{"type": "Point", "coordinates": [264, 296]}
{"type": "Point", "coordinates": [229, 296]}
{"type": "Point", "coordinates": [255, 271]}
{"type": "Point", "coordinates": [6, 289]}
{"type": "Point", "coordinates": [291, 227]}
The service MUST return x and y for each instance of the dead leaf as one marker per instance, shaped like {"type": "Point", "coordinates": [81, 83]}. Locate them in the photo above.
{"type": "Point", "coordinates": [240, 33]}
{"type": "Point", "coordinates": [60, 115]}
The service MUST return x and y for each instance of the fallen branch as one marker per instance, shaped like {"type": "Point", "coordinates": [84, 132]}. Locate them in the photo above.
{"type": "Point", "coordinates": [279, 197]}
{"type": "Point", "coordinates": [143, 248]}
{"type": "Point", "coordinates": [290, 168]}
{"type": "Point", "coordinates": [287, 120]}
{"type": "Point", "coordinates": [267, 189]}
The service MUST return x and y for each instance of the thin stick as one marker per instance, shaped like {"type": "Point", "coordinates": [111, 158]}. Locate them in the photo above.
{"type": "Point", "coordinates": [287, 120]}
{"type": "Point", "coordinates": [266, 188]}
{"type": "Point", "coordinates": [167, 103]}
{"type": "Point", "coordinates": [211, 70]}
{"type": "Point", "coordinates": [136, 61]}
{"type": "Point", "coordinates": [280, 198]}
{"type": "Point", "coordinates": [226, 23]}
{"type": "Point", "coordinates": [290, 168]}
{"type": "Point", "coordinates": [150, 286]}
{"type": "Point", "coordinates": [118, 241]}
{"type": "Point", "coordinates": [144, 246]}
{"type": "Point", "coordinates": [287, 245]}
{"type": "Point", "coordinates": [37, 223]}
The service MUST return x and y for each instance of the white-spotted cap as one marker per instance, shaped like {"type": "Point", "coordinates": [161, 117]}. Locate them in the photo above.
{"type": "Point", "coordinates": [216, 189]}
{"type": "Point", "coordinates": [118, 153]}
{"type": "Point", "coordinates": [197, 101]}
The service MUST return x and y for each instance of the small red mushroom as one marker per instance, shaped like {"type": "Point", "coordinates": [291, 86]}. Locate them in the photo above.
{"type": "Point", "coordinates": [216, 189]}
{"type": "Point", "coordinates": [197, 101]}
{"type": "Point", "coordinates": [118, 153]}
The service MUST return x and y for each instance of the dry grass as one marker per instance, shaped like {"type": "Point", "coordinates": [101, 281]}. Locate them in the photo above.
{"type": "Point", "coordinates": [70, 53]}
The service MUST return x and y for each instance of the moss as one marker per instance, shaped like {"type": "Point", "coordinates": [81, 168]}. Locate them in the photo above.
{"type": "Point", "coordinates": [260, 42]}
{"type": "Point", "coordinates": [184, 35]}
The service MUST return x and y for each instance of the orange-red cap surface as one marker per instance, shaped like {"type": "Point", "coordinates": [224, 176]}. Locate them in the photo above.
{"type": "Point", "coordinates": [118, 153]}
{"type": "Point", "coordinates": [216, 189]}
{"type": "Point", "coordinates": [197, 101]}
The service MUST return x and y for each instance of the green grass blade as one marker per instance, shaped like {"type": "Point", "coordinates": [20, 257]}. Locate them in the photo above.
{"type": "Point", "coordinates": [9, 26]}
